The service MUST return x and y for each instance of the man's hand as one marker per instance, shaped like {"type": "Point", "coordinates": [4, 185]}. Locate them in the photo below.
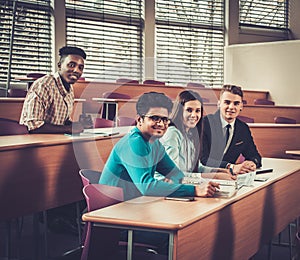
{"type": "Point", "coordinates": [206, 189]}
{"type": "Point", "coordinates": [244, 167]}
{"type": "Point", "coordinates": [224, 175]}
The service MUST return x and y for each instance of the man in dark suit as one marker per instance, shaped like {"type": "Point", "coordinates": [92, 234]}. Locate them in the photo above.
{"type": "Point", "coordinates": [226, 137]}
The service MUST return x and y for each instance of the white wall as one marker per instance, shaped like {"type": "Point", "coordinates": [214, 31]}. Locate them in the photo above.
{"type": "Point", "coordinates": [273, 66]}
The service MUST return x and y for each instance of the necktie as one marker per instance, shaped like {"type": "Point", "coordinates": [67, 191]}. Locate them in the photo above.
{"type": "Point", "coordinates": [227, 132]}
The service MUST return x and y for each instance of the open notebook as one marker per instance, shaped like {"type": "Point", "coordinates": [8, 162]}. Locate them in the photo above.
{"type": "Point", "coordinates": [228, 188]}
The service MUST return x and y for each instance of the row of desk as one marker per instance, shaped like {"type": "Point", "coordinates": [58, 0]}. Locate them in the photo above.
{"type": "Point", "coordinates": [260, 113]}
{"type": "Point", "coordinates": [214, 228]}
{"type": "Point", "coordinates": [48, 163]}
{"type": "Point", "coordinates": [11, 108]}
{"type": "Point", "coordinates": [90, 89]}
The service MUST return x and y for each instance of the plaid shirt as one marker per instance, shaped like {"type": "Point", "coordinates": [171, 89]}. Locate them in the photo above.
{"type": "Point", "coordinates": [47, 101]}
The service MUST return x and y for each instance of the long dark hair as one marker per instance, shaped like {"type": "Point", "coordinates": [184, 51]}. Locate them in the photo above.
{"type": "Point", "coordinates": [194, 134]}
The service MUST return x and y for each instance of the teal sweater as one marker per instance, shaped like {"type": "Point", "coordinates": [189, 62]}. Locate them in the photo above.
{"type": "Point", "coordinates": [132, 164]}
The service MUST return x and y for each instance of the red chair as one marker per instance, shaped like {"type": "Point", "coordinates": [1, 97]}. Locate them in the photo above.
{"type": "Point", "coordinates": [16, 92]}
{"type": "Point", "coordinates": [34, 75]}
{"type": "Point", "coordinates": [126, 121]}
{"type": "Point", "coordinates": [101, 123]}
{"type": "Point", "coordinates": [246, 119]}
{"type": "Point", "coordinates": [284, 120]}
{"type": "Point", "coordinates": [263, 102]}
{"type": "Point", "coordinates": [12, 127]}
{"type": "Point", "coordinates": [154, 82]}
{"type": "Point", "coordinates": [89, 176]}
{"type": "Point", "coordinates": [195, 85]}
{"type": "Point", "coordinates": [126, 81]}
{"type": "Point", "coordinates": [99, 196]}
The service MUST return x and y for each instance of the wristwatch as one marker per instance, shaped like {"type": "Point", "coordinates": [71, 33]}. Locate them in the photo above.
{"type": "Point", "coordinates": [230, 167]}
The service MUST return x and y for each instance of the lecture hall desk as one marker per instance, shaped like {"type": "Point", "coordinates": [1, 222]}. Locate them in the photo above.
{"type": "Point", "coordinates": [40, 171]}
{"type": "Point", "coordinates": [90, 89]}
{"type": "Point", "coordinates": [261, 114]}
{"type": "Point", "coordinates": [215, 228]}
{"type": "Point", "coordinates": [11, 107]}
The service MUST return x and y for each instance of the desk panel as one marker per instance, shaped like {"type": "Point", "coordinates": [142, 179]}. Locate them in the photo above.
{"type": "Point", "coordinates": [39, 172]}
{"type": "Point", "coordinates": [272, 140]}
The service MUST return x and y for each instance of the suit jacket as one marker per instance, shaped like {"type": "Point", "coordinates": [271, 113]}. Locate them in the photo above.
{"type": "Point", "coordinates": [214, 143]}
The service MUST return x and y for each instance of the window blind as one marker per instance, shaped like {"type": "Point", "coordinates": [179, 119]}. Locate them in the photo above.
{"type": "Point", "coordinates": [272, 14]}
{"type": "Point", "coordinates": [25, 39]}
{"type": "Point", "coordinates": [190, 41]}
{"type": "Point", "coordinates": [110, 32]}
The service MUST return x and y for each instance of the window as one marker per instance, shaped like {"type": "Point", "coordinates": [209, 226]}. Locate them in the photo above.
{"type": "Point", "coordinates": [25, 40]}
{"type": "Point", "coordinates": [111, 34]}
{"type": "Point", "coordinates": [190, 41]}
{"type": "Point", "coordinates": [272, 14]}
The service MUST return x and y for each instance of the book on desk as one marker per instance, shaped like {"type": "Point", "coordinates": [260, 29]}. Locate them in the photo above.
{"type": "Point", "coordinates": [228, 188]}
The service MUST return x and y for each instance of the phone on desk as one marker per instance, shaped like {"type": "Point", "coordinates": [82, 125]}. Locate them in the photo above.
{"type": "Point", "coordinates": [180, 198]}
{"type": "Point", "coordinates": [266, 170]}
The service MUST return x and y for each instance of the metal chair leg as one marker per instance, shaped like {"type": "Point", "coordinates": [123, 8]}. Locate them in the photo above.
{"type": "Point", "coordinates": [8, 239]}
{"type": "Point", "coordinates": [270, 250]}
{"type": "Point", "coordinates": [78, 213]}
{"type": "Point", "coordinates": [45, 229]}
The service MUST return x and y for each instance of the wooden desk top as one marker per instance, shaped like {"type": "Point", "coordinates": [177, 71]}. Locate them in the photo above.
{"type": "Point", "coordinates": [114, 100]}
{"type": "Point", "coordinates": [150, 212]}
{"type": "Point", "coordinates": [21, 99]}
{"type": "Point", "coordinates": [293, 152]}
{"type": "Point", "coordinates": [272, 125]}
{"type": "Point", "coordinates": [13, 142]}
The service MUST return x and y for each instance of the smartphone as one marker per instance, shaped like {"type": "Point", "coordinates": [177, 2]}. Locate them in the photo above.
{"type": "Point", "coordinates": [259, 171]}
{"type": "Point", "coordinates": [261, 179]}
{"type": "Point", "coordinates": [180, 198]}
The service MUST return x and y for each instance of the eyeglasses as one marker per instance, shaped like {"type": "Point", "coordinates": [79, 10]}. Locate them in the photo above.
{"type": "Point", "coordinates": [158, 119]}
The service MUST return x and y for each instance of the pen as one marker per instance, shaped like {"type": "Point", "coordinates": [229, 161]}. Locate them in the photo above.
{"type": "Point", "coordinates": [110, 134]}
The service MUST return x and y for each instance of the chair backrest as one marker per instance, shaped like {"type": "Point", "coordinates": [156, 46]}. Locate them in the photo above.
{"type": "Point", "coordinates": [261, 101]}
{"type": "Point", "coordinates": [154, 82]}
{"type": "Point", "coordinates": [89, 176]}
{"type": "Point", "coordinates": [126, 121]}
{"type": "Point", "coordinates": [205, 100]}
{"type": "Point", "coordinates": [16, 92]}
{"type": "Point", "coordinates": [284, 120]}
{"type": "Point", "coordinates": [125, 81]}
{"type": "Point", "coordinates": [109, 94]}
{"type": "Point", "coordinates": [246, 119]}
{"type": "Point", "coordinates": [35, 75]}
{"type": "Point", "coordinates": [11, 127]}
{"type": "Point", "coordinates": [98, 196]}
{"type": "Point", "coordinates": [101, 122]}
{"type": "Point", "coordinates": [194, 84]}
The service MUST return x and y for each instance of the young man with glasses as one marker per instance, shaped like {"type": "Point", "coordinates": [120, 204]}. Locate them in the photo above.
{"type": "Point", "coordinates": [226, 137]}
{"type": "Point", "coordinates": [139, 154]}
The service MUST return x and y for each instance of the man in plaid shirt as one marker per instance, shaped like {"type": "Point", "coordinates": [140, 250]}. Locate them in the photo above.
{"type": "Point", "coordinates": [49, 102]}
